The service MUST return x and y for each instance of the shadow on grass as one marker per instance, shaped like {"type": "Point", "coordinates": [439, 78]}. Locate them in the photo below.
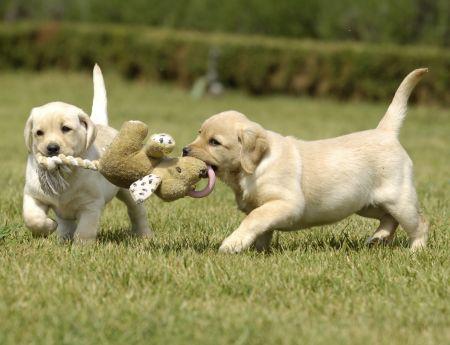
{"type": "Point", "coordinates": [119, 236]}
{"type": "Point", "coordinates": [125, 238]}
{"type": "Point", "coordinates": [305, 241]}
{"type": "Point", "coordinates": [311, 241]}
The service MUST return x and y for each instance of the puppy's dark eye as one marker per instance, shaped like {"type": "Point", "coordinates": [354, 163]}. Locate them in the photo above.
{"type": "Point", "coordinates": [39, 133]}
{"type": "Point", "coordinates": [214, 142]}
{"type": "Point", "coordinates": [178, 169]}
{"type": "Point", "coordinates": [65, 129]}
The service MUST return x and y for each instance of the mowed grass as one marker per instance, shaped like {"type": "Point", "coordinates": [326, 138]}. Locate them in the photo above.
{"type": "Point", "coordinates": [321, 286]}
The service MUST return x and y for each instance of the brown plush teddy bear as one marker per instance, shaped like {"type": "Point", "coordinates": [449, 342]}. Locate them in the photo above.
{"type": "Point", "coordinates": [144, 168]}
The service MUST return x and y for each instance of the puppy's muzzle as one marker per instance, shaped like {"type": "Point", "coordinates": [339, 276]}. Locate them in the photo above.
{"type": "Point", "coordinates": [53, 149]}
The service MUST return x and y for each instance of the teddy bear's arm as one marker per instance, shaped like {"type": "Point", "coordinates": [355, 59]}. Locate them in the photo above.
{"type": "Point", "coordinates": [159, 145]}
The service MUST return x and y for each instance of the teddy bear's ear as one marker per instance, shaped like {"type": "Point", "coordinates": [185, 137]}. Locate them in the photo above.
{"type": "Point", "coordinates": [144, 187]}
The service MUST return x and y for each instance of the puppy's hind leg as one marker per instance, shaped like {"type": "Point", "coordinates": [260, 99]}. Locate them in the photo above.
{"type": "Point", "coordinates": [35, 217]}
{"type": "Point", "coordinates": [406, 211]}
{"type": "Point", "coordinates": [137, 214]}
{"type": "Point", "coordinates": [262, 242]}
{"type": "Point", "coordinates": [385, 232]}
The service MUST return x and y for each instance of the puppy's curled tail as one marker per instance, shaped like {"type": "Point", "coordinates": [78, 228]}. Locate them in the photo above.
{"type": "Point", "coordinates": [52, 162]}
{"type": "Point", "coordinates": [393, 119]}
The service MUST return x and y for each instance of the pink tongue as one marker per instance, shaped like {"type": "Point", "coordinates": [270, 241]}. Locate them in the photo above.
{"type": "Point", "coordinates": [208, 189]}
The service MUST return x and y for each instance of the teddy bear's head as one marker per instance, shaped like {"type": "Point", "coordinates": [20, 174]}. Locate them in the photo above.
{"type": "Point", "coordinates": [179, 176]}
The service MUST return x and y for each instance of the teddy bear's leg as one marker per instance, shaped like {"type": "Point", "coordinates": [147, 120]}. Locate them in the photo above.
{"type": "Point", "coordinates": [142, 189]}
{"type": "Point", "coordinates": [130, 137]}
{"type": "Point", "coordinates": [159, 145]}
{"type": "Point", "coordinates": [137, 214]}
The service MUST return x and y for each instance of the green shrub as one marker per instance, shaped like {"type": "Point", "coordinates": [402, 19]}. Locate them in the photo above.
{"type": "Point", "coordinates": [388, 21]}
{"type": "Point", "coordinates": [256, 64]}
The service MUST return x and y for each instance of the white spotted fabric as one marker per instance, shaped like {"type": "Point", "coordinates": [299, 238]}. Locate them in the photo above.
{"type": "Point", "coordinates": [144, 187]}
{"type": "Point", "coordinates": [165, 141]}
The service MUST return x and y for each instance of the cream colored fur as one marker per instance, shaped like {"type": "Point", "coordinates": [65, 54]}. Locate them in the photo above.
{"type": "Point", "coordinates": [77, 207]}
{"type": "Point", "coordinates": [283, 183]}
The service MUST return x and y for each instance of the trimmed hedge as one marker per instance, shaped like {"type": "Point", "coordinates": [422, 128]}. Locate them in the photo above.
{"type": "Point", "coordinates": [256, 64]}
{"type": "Point", "coordinates": [393, 21]}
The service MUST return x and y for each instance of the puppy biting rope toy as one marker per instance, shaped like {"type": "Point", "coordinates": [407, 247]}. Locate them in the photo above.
{"type": "Point", "coordinates": [144, 169]}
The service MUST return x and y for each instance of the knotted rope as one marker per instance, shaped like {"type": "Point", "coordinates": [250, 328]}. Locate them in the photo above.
{"type": "Point", "coordinates": [52, 162]}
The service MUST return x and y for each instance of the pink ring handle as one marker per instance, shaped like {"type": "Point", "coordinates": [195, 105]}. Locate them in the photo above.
{"type": "Point", "coordinates": [208, 189]}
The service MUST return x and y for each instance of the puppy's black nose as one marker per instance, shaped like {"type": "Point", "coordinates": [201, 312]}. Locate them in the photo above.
{"type": "Point", "coordinates": [53, 149]}
{"type": "Point", "coordinates": [186, 151]}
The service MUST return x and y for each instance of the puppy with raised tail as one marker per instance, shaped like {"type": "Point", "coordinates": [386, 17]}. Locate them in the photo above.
{"type": "Point", "coordinates": [283, 183]}
{"type": "Point", "coordinates": [77, 196]}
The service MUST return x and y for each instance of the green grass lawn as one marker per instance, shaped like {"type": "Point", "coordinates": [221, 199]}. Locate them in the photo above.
{"type": "Point", "coordinates": [321, 286]}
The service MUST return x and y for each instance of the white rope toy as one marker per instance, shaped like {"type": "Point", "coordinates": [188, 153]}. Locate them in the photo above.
{"type": "Point", "coordinates": [50, 163]}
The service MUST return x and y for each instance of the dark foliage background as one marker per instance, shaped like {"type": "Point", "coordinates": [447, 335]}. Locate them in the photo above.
{"type": "Point", "coordinates": [393, 21]}
{"type": "Point", "coordinates": [253, 63]}
{"type": "Point", "coordinates": [342, 49]}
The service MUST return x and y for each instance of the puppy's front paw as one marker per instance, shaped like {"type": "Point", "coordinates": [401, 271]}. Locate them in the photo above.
{"type": "Point", "coordinates": [42, 227]}
{"type": "Point", "coordinates": [233, 245]}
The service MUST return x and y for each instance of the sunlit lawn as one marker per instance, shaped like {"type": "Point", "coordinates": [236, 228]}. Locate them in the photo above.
{"type": "Point", "coordinates": [317, 286]}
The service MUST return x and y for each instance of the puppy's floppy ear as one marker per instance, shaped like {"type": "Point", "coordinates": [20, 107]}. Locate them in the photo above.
{"type": "Point", "coordinates": [91, 130]}
{"type": "Point", "coordinates": [253, 146]}
{"type": "Point", "coordinates": [27, 133]}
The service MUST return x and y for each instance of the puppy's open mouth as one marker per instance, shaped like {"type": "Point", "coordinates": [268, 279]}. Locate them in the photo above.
{"type": "Point", "coordinates": [210, 165]}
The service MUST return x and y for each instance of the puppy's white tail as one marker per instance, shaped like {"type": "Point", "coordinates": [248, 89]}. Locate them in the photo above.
{"type": "Point", "coordinates": [393, 119]}
{"type": "Point", "coordinates": [99, 114]}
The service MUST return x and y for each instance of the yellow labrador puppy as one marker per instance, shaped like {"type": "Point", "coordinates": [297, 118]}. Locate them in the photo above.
{"type": "Point", "coordinates": [283, 183]}
{"type": "Point", "coordinates": [77, 196]}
